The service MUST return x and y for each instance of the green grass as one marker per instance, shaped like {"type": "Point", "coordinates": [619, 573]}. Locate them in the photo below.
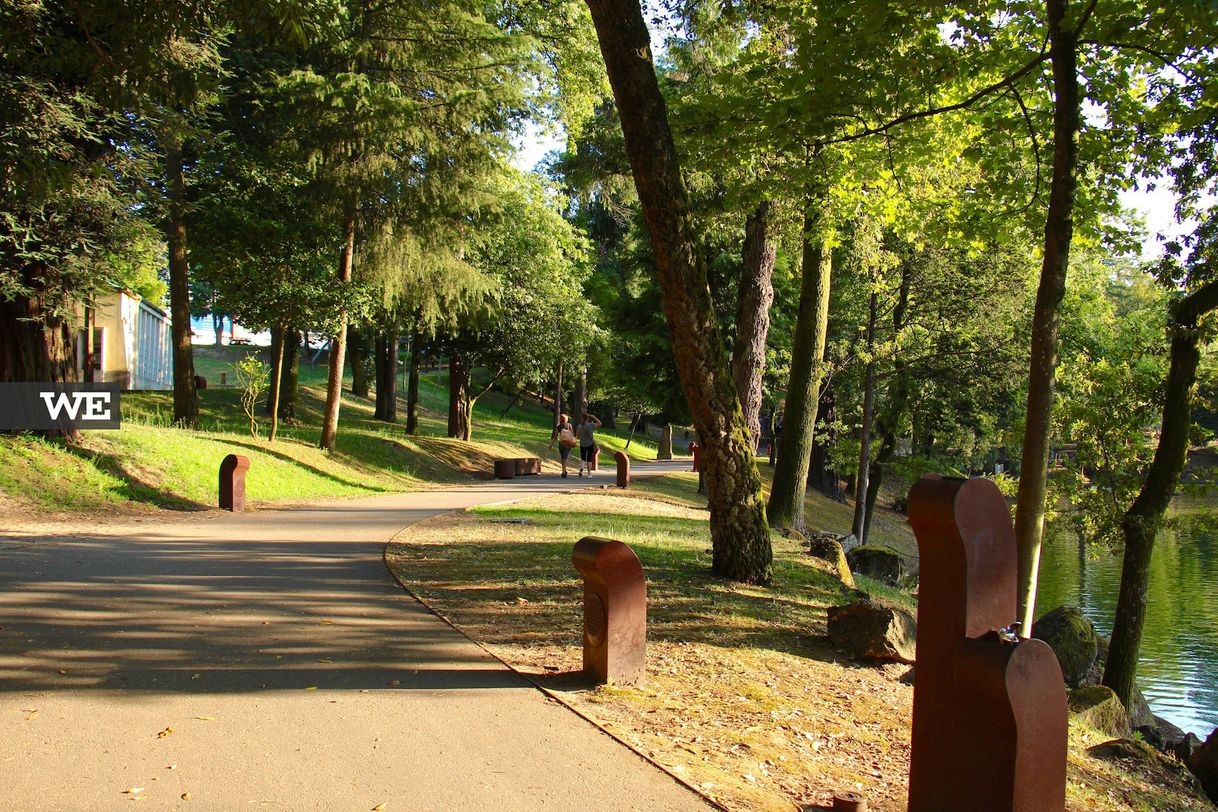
{"type": "Point", "coordinates": [151, 462]}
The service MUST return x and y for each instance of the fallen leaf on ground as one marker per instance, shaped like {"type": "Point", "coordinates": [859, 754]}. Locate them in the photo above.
{"type": "Point", "coordinates": [185, 796]}
{"type": "Point", "coordinates": [30, 714]}
{"type": "Point", "coordinates": [206, 718]}
{"type": "Point", "coordinates": [133, 790]}
{"type": "Point", "coordinates": [164, 733]}
{"type": "Point", "coordinates": [378, 807]}
{"type": "Point", "coordinates": [395, 682]}
{"type": "Point", "coordinates": [311, 688]}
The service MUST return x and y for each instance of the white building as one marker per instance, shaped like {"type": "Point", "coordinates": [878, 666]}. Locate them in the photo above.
{"type": "Point", "coordinates": [132, 343]}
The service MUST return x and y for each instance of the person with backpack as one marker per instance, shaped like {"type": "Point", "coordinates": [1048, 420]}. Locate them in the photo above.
{"type": "Point", "coordinates": [564, 432]}
{"type": "Point", "coordinates": [587, 442]}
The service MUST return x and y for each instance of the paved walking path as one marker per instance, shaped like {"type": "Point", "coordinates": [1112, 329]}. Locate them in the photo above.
{"type": "Point", "coordinates": [268, 660]}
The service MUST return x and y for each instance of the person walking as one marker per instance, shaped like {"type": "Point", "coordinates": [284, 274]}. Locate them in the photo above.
{"type": "Point", "coordinates": [564, 433]}
{"type": "Point", "coordinates": [587, 442]}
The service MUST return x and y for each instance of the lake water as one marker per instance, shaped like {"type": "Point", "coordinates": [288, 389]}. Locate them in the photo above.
{"type": "Point", "coordinates": [1178, 671]}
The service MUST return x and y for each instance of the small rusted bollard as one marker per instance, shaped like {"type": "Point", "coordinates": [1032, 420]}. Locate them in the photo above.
{"type": "Point", "coordinates": [232, 482]}
{"type": "Point", "coordinates": [200, 382]}
{"type": "Point", "coordinates": [623, 469]}
{"type": "Point", "coordinates": [697, 452]}
{"type": "Point", "coordinates": [615, 610]}
{"type": "Point", "coordinates": [594, 464]}
{"type": "Point", "coordinates": [849, 802]}
{"type": "Point", "coordinates": [989, 709]}
{"type": "Point", "coordinates": [224, 379]}
{"type": "Point", "coordinates": [505, 469]}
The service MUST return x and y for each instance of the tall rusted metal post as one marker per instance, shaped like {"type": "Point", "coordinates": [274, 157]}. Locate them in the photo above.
{"type": "Point", "coordinates": [989, 714]}
{"type": "Point", "coordinates": [615, 610]}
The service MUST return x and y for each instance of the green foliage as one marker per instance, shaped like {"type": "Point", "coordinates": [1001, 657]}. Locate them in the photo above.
{"type": "Point", "coordinates": [1110, 379]}
{"type": "Point", "coordinates": [252, 375]}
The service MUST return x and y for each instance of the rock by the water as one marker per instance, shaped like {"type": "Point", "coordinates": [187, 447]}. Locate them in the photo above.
{"type": "Point", "coordinates": [1099, 707]}
{"type": "Point", "coordinates": [1125, 749]}
{"type": "Point", "coordinates": [1185, 748]}
{"type": "Point", "coordinates": [1151, 735]}
{"type": "Point", "coordinates": [1139, 712]}
{"type": "Point", "coordinates": [1204, 765]}
{"type": "Point", "coordinates": [878, 563]}
{"type": "Point", "coordinates": [1073, 639]}
{"type": "Point", "coordinates": [1169, 733]}
{"type": "Point", "coordinates": [869, 630]}
{"type": "Point", "coordinates": [824, 546]}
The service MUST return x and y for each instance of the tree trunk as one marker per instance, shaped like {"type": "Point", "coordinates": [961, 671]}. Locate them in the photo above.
{"type": "Point", "coordinates": [458, 399]}
{"type": "Point", "coordinates": [412, 385]}
{"type": "Point", "coordinates": [277, 380]}
{"type": "Point", "coordinates": [558, 394]}
{"type": "Point", "coordinates": [185, 398]}
{"type": "Point", "coordinates": [740, 538]}
{"type": "Point", "coordinates": [580, 407]}
{"type": "Point", "coordinates": [754, 299]}
{"type": "Point", "coordinates": [90, 348]}
{"type": "Point", "coordinates": [664, 450]}
{"type": "Point", "coordinates": [37, 346]}
{"type": "Point", "coordinates": [1141, 522]}
{"type": "Point", "coordinates": [820, 476]}
{"type": "Point", "coordinates": [272, 393]}
{"type": "Point", "coordinates": [875, 480]}
{"type": "Point", "coordinates": [387, 376]}
{"type": "Point", "coordinates": [786, 508]}
{"type": "Point", "coordinates": [634, 426]}
{"type": "Point", "coordinates": [357, 353]}
{"type": "Point", "coordinates": [289, 381]}
{"type": "Point", "coordinates": [860, 479]}
{"type": "Point", "coordinates": [1042, 363]}
{"type": "Point", "coordinates": [217, 325]}
{"type": "Point", "coordinates": [338, 342]}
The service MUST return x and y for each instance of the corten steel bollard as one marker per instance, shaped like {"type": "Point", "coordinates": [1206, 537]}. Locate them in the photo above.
{"type": "Point", "coordinates": [595, 463]}
{"type": "Point", "coordinates": [849, 802]}
{"type": "Point", "coordinates": [615, 610]}
{"type": "Point", "coordinates": [989, 711]}
{"type": "Point", "coordinates": [526, 466]}
{"type": "Point", "coordinates": [623, 469]}
{"type": "Point", "coordinates": [232, 482]}
{"type": "Point", "coordinates": [697, 452]}
{"type": "Point", "coordinates": [505, 469]}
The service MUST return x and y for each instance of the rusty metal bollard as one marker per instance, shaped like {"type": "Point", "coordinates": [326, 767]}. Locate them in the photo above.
{"type": "Point", "coordinates": [989, 710]}
{"type": "Point", "coordinates": [849, 802]}
{"type": "Point", "coordinates": [615, 610]}
{"type": "Point", "coordinates": [696, 450]}
{"type": "Point", "coordinates": [595, 463]}
{"type": "Point", "coordinates": [623, 469]}
{"type": "Point", "coordinates": [232, 482]}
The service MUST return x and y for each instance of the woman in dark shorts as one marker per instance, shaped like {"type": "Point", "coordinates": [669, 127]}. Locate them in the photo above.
{"type": "Point", "coordinates": [564, 432]}
{"type": "Point", "coordinates": [587, 442]}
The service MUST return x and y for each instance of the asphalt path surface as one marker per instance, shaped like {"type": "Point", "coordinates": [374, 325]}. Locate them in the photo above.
{"type": "Point", "coordinates": [269, 660]}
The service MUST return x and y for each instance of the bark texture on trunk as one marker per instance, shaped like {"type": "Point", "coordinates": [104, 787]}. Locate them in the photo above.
{"type": "Point", "coordinates": [1042, 363]}
{"type": "Point", "coordinates": [277, 380]}
{"type": "Point", "coordinates": [272, 392]}
{"type": "Point", "coordinates": [458, 397]}
{"type": "Point", "coordinates": [558, 405]}
{"type": "Point", "coordinates": [1144, 517]}
{"type": "Point", "coordinates": [412, 385]}
{"type": "Point", "coordinates": [289, 381]}
{"type": "Point", "coordinates": [387, 376]}
{"type": "Point", "coordinates": [217, 326]}
{"type": "Point", "coordinates": [34, 346]}
{"type": "Point", "coordinates": [754, 299]}
{"type": "Point", "coordinates": [864, 467]}
{"type": "Point", "coordinates": [786, 508]}
{"type": "Point", "coordinates": [580, 406]}
{"type": "Point", "coordinates": [739, 534]}
{"type": "Point", "coordinates": [357, 356]}
{"type": "Point", "coordinates": [338, 343]}
{"type": "Point", "coordinates": [664, 447]}
{"type": "Point", "coordinates": [185, 398]}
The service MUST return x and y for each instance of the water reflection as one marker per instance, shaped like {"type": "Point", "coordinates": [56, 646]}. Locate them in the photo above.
{"type": "Point", "coordinates": [1178, 671]}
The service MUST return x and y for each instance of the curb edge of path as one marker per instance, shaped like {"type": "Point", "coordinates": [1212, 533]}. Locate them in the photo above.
{"type": "Point", "coordinates": [544, 690]}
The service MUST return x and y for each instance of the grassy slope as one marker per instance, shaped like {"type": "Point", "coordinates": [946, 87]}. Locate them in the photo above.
{"type": "Point", "coordinates": [149, 462]}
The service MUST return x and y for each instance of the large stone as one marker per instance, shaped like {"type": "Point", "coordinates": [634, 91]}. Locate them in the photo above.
{"type": "Point", "coordinates": [829, 549]}
{"type": "Point", "coordinates": [869, 630]}
{"type": "Point", "coordinates": [848, 540]}
{"type": "Point", "coordinates": [1204, 765]}
{"type": "Point", "coordinates": [1185, 748]}
{"type": "Point", "coordinates": [877, 563]}
{"type": "Point", "coordinates": [1100, 708]}
{"type": "Point", "coordinates": [1073, 639]}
